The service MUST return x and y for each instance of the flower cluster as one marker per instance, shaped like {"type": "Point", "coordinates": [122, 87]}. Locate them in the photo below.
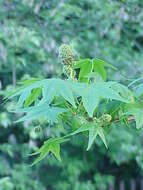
{"type": "Point", "coordinates": [66, 54]}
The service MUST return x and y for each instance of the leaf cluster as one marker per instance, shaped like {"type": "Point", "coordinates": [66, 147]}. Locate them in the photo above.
{"type": "Point", "coordinates": [88, 105]}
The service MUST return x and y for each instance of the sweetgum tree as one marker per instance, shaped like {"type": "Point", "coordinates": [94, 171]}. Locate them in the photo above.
{"type": "Point", "coordinates": [82, 102]}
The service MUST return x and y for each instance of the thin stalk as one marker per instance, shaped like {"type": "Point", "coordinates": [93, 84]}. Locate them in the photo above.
{"type": "Point", "coordinates": [13, 75]}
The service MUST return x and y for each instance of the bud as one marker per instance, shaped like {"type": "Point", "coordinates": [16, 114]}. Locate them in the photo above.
{"type": "Point", "coordinates": [66, 54]}
{"type": "Point", "coordinates": [38, 129]}
{"type": "Point", "coordinates": [106, 118]}
{"type": "Point", "coordinates": [95, 119]}
{"type": "Point", "coordinates": [82, 120]}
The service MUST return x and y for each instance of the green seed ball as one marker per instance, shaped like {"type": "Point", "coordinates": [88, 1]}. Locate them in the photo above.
{"type": "Point", "coordinates": [107, 118]}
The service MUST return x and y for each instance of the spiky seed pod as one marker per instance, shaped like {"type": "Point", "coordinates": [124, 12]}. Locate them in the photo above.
{"type": "Point", "coordinates": [66, 54]}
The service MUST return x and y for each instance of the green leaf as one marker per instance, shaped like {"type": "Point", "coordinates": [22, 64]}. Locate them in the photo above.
{"type": "Point", "coordinates": [88, 66]}
{"type": "Point", "coordinates": [92, 94]}
{"type": "Point", "coordinates": [85, 66]}
{"type": "Point", "coordinates": [92, 136]}
{"type": "Point", "coordinates": [83, 128]}
{"type": "Point", "coordinates": [32, 97]}
{"type": "Point", "coordinates": [81, 62]}
{"type": "Point", "coordinates": [124, 92]}
{"type": "Point", "coordinates": [55, 149]}
{"type": "Point", "coordinates": [94, 76]}
{"type": "Point", "coordinates": [22, 98]}
{"type": "Point", "coordinates": [139, 90]}
{"type": "Point", "coordinates": [26, 85]}
{"type": "Point", "coordinates": [38, 112]}
{"type": "Point", "coordinates": [138, 115]}
{"type": "Point", "coordinates": [50, 88]}
{"type": "Point", "coordinates": [63, 89]}
{"type": "Point", "coordinates": [44, 151]}
{"type": "Point", "coordinates": [102, 136]}
{"type": "Point", "coordinates": [52, 145]}
{"type": "Point", "coordinates": [93, 132]}
{"type": "Point", "coordinates": [99, 68]}
{"type": "Point", "coordinates": [104, 63]}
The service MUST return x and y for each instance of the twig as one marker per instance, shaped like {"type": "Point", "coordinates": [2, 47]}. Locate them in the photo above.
{"type": "Point", "coordinates": [13, 75]}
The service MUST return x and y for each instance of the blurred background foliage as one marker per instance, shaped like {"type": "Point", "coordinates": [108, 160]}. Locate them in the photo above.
{"type": "Point", "coordinates": [30, 33]}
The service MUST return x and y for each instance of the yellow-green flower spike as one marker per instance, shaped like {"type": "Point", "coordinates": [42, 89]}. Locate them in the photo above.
{"type": "Point", "coordinates": [66, 54]}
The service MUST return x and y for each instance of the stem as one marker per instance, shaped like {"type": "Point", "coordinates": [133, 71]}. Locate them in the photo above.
{"type": "Point", "coordinates": [0, 85]}
{"type": "Point", "coordinates": [13, 75]}
{"type": "Point", "coordinates": [130, 119]}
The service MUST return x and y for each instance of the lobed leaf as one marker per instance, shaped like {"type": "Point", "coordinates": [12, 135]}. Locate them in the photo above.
{"type": "Point", "coordinates": [95, 65]}
{"type": "Point", "coordinates": [37, 112]}
{"type": "Point", "coordinates": [52, 145]}
{"type": "Point", "coordinates": [93, 131]}
{"type": "Point", "coordinates": [138, 115]}
{"type": "Point", "coordinates": [91, 94]}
